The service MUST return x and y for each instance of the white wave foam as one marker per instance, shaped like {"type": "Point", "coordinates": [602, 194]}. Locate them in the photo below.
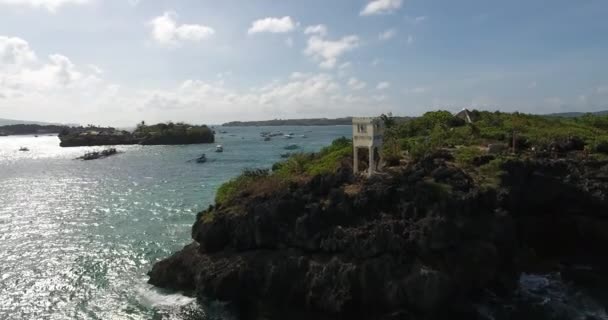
{"type": "Point", "coordinates": [153, 297]}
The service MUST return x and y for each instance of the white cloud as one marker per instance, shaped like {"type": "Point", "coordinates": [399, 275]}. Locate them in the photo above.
{"type": "Point", "coordinates": [416, 20]}
{"type": "Point", "coordinates": [95, 69]}
{"type": "Point", "coordinates": [301, 94]}
{"type": "Point", "coordinates": [57, 74]}
{"type": "Point", "coordinates": [15, 51]}
{"type": "Point", "coordinates": [383, 85]}
{"type": "Point", "coordinates": [272, 25]}
{"type": "Point", "coordinates": [417, 90]}
{"type": "Point", "coordinates": [57, 89]}
{"type": "Point", "coordinates": [51, 87]}
{"type": "Point", "coordinates": [289, 42]}
{"type": "Point", "coordinates": [50, 5]}
{"type": "Point", "coordinates": [329, 51]}
{"type": "Point", "coordinates": [166, 31]}
{"type": "Point", "coordinates": [381, 7]}
{"type": "Point", "coordinates": [379, 98]}
{"type": "Point", "coordinates": [387, 34]}
{"type": "Point", "coordinates": [375, 62]}
{"type": "Point", "coordinates": [345, 65]}
{"type": "Point", "coordinates": [532, 85]}
{"type": "Point", "coordinates": [356, 84]}
{"type": "Point", "coordinates": [410, 39]}
{"type": "Point", "coordinates": [420, 19]}
{"type": "Point", "coordinates": [319, 29]}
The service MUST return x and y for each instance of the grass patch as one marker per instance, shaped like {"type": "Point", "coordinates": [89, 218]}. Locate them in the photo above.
{"type": "Point", "coordinates": [490, 174]}
{"type": "Point", "coordinates": [328, 160]}
{"type": "Point", "coordinates": [257, 182]}
{"type": "Point", "coordinates": [464, 156]}
{"type": "Point", "coordinates": [232, 188]}
{"type": "Point", "coordinates": [439, 129]}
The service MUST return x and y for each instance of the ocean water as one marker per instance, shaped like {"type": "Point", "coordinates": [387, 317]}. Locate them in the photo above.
{"type": "Point", "coordinates": [77, 237]}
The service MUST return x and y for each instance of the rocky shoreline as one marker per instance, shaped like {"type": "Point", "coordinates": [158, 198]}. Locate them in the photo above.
{"type": "Point", "coordinates": [426, 241]}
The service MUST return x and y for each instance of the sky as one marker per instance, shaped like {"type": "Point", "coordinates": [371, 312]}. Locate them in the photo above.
{"type": "Point", "coordinates": [118, 62]}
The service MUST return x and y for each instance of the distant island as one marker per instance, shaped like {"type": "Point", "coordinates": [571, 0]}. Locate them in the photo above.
{"type": "Point", "coordinates": [577, 114]}
{"type": "Point", "coordinates": [347, 121]}
{"type": "Point", "coordinates": [158, 134]}
{"type": "Point", "coordinates": [7, 122]}
{"type": "Point", "coordinates": [291, 122]}
{"type": "Point", "coordinates": [19, 129]}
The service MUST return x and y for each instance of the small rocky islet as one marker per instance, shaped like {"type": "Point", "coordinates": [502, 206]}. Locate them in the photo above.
{"type": "Point", "coordinates": [158, 134]}
{"type": "Point", "coordinates": [431, 237]}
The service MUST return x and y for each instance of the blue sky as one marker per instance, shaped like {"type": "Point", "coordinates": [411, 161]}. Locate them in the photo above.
{"type": "Point", "coordinates": [118, 62]}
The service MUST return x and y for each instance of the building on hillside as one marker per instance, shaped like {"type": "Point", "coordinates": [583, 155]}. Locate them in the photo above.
{"type": "Point", "coordinates": [368, 133]}
{"type": "Point", "coordinates": [465, 115]}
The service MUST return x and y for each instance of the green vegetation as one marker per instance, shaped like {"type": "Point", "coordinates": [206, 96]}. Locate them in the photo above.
{"type": "Point", "coordinates": [298, 167]}
{"type": "Point", "coordinates": [466, 155]}
{"type": "Point", "coordinates": [441, 129]}
{"type": "Point", "coordinates": [246, 180]}
{"type": "Point", "coordinates": [173, 133]}
{"type": "Point", "coordinates": [489, 174]}
{"type": "Point", "coordinates": [326, 161]}
{"type": "Point", "coordinates": [162, 133]}
{"type": "Point", "coordinates": [468, 142]}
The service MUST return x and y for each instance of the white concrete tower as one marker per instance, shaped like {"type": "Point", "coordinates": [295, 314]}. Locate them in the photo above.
{"type": "Point", "coordinates": [368, 133]}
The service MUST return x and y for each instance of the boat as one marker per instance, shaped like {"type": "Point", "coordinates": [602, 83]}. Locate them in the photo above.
{"type": "Point", "coordinates": [285, 155]}
{"type": "Point", "coordinates": [292, 147]}
{"type": "Point", "coordinates": [219, 148]}
{"type": "Point", "coordinates": [99, 154]}
{"type": "Point", "coordinates": [24, 149]}
{"type": "Point", "coordinates": [289, 136]}
{"type": "Point", "coordinates": [201, 159]}
{"type": "Point", "coordinates": [267, 138]}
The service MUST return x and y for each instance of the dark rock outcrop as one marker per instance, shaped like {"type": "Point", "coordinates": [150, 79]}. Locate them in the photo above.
{"type": "Point", "coordinates": [421, 243]}
{"type": "Point", "coordinates": [88, 137]}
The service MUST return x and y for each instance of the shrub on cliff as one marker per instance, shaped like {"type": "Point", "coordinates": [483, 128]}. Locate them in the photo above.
{"type": "Point", "coordinates": [326, 161]}
{"type": "Point", "coordinates": [464, 156]}
{"type": "Point", "coordinates": [601, 146]}
{"type": "Point", "coordinates": [259, 182]}
{"type": "Point", "coordinates": [440, 129]}
{"type": "Point", "coordinates": [243, 183]}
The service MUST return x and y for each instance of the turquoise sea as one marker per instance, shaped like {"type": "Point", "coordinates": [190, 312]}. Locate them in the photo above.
{"type": "Point", "coordinates": [77, 237]}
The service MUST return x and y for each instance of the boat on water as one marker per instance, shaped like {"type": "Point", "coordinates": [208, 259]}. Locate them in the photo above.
{"type": "Point", "coordinates": [292, 147]}
{"type": "Point", "coordinates": [24, 149]}
{"type": "Point", "coordinates": [99, 154]}
{"type": "Point", "coordinates": [219, 148]}
{"type": "Point", "coordinates": [285, 155]}
{"type": "Point", "coordinates": [201, 159]}
{"type": "Point", "coordinates": [267, 138]}
{"type": "Point", "coordinates": [289, 136]}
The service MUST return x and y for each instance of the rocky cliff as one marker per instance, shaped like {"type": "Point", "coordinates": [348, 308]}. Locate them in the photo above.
{"type": "Point", "coordinates": [421, 242]}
